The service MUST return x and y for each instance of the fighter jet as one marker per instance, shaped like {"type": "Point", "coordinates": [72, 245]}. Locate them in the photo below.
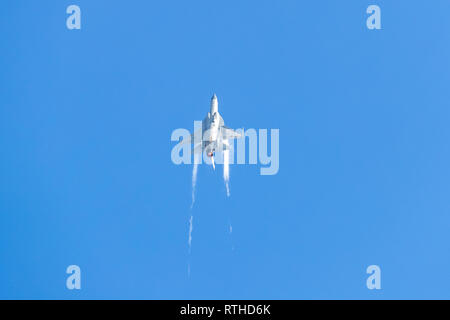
{"type": "Point", "coordinates": [214, 135]}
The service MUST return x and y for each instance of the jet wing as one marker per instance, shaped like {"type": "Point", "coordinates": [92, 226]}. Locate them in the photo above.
{"type": "Point", "coordinates": [228, 133]}
{"type": "Point", "coordinates": [190, 139]}
{"type": "Point", "coordinates": [197, 148]}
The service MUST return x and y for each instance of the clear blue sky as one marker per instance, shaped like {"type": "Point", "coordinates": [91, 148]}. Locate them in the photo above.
{"type": "Point", "coordinates": [85, 170]}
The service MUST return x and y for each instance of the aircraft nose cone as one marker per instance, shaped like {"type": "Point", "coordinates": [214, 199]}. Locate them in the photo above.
{"type": "Point", "coordinates": [214, 96]}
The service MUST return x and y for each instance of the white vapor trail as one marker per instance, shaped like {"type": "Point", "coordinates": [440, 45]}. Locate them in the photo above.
{"type": "Point", "coordinates": [190, 232]}
{"type": "Point", "coordinates": [191, 226]}
{"type": "Point", "coordinates": [226, 177]}
{"type": "Point", "coordinates": [194, 177]}
{"type": "Point", "coordinates": [226, 170]}
{"type": "Point", "coordinates": [191, 219]}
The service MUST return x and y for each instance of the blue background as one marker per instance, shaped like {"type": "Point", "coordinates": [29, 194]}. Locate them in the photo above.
{"type": "Point", "coordinates": [86, 176]}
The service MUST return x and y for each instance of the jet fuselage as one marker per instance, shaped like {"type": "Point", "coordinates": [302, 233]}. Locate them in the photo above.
{"type": "Point", "coordinates": [211, 135]}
